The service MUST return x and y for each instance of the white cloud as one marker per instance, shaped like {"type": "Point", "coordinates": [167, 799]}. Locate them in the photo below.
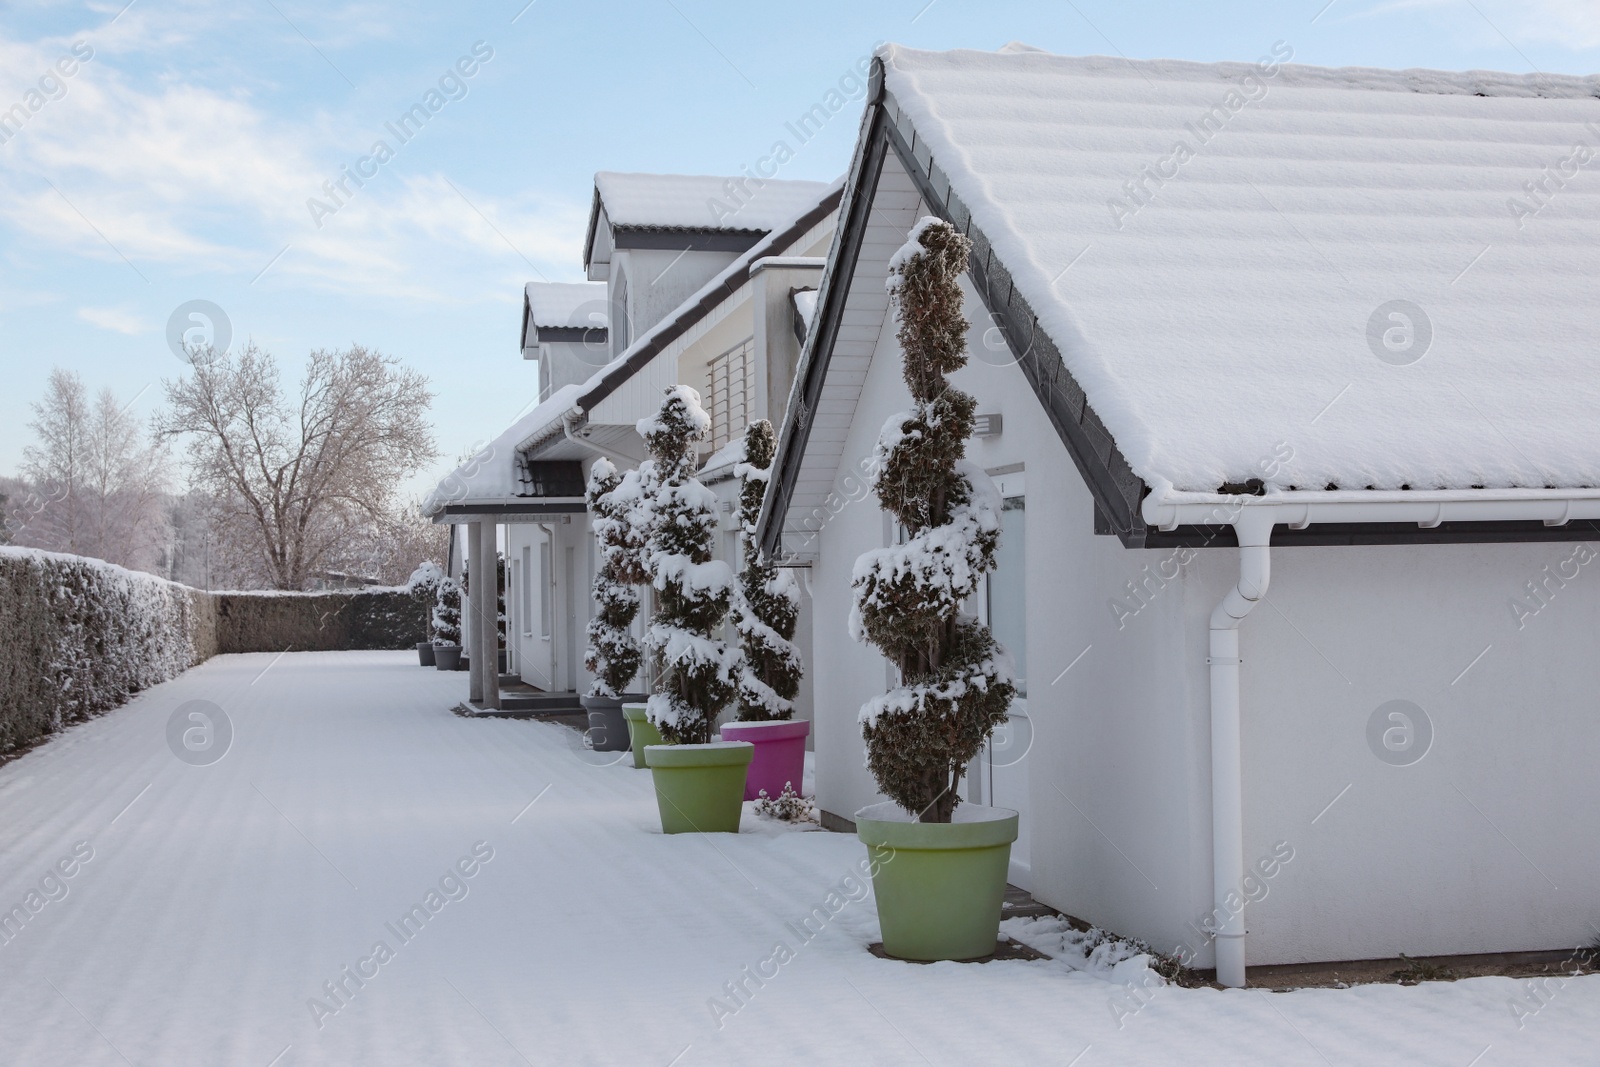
{"type": "Point", "coordinates": [170, 173]}
{"type": "Point", "coordinates": [1573, 24]}
{"type": "Point", "coordinates": [116, 319]}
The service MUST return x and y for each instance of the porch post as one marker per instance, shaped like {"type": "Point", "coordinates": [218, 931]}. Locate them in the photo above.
{"type": "Point", "coordinates": [486, 605]}
{"type": "Point", "coordinates": [469, 618]}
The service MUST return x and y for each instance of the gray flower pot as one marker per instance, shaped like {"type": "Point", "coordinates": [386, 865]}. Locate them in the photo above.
{"type": "Point", "coordinates": [425, 653]}
{"type": "Point", "coordinates": [447, 657]}
{"type": "Point", "coordinates": [608, 728]}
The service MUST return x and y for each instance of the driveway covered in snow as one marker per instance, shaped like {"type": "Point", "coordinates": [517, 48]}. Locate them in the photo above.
{"type": "Point", "coordinates": [366, 878]}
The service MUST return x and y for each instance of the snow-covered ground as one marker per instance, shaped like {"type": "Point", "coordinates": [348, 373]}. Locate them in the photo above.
{"type": "Point", "coordinates": [216, 901]}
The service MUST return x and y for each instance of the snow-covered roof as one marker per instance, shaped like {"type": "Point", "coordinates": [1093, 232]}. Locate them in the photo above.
{"type": "Point", "coordinates": [491, 475]}
{"type": "Point", "coordinates": [559, 303]}
{"type": "Point", "coordinates": [496, 473]}
{"type": "Point", "coordinates": [1385, 276]}
{"type": "Point", "coordinates": [723, 284]}
{"type": "Point", "coordinates": [702, 202]}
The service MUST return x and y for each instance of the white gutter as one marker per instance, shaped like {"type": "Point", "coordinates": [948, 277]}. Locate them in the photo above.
{"type": "Point", "coordinates": [1253, 519]}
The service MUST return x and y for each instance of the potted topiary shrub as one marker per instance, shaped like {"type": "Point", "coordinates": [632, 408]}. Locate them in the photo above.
{"type": "Point", "coordinates": [613, 655]}
{"type": "Point", "coordinates": [630, 504]}
{"type": "Point", "coordinates": [941, 865]}
{"type": "Point", "coordinates": [447, 625]}
{"type": "Point", "coordinates": [423, 586]}
{"type": "Point", "coordinates": [699, 782]}
{"type": "Point", "coordinates": [765, 614]}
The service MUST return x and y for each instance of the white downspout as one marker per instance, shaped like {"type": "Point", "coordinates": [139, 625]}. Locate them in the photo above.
{"type": "Point", "coordinates": [1227, 772]}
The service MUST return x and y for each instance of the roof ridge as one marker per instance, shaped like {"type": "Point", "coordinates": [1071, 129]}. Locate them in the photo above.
{"type": "Point", "coordinates": [1421, 80]}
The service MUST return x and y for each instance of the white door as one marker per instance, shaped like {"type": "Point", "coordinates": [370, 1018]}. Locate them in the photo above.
{"type": "Point", "coordinates": [1002, 778]}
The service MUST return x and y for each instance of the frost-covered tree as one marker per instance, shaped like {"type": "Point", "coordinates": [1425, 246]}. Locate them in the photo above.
{"type": "Point", "coordinates": [446, 621]}
{"type": "Point", "coordinates": [769, 603]}
{"type": "Point", "coordinates": [99, 484]}
{"type": "Point", "coordinates": [297, 482]}
{"type": "Point", "coordinates": [613, 655]}
{"type": "Point", "coordinates": [955, 680]}
{"type": "Point", "coordinates": [698, 670]}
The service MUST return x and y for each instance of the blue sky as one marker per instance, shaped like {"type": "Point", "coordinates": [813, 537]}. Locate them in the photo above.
{"type": "Point", "coordinates": [175, 163]}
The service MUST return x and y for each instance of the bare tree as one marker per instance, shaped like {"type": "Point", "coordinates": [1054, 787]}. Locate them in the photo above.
{"type": "Point", "coordinates": [125, 483]}
{"type": "Point", "coordinates": [55, 462]}
{"type": "Point", "coordinates": [387, 550]}
{"type": "Point", "coordinates": [98, 480]}
{"type": "Point", "coordinates": [299, 484]}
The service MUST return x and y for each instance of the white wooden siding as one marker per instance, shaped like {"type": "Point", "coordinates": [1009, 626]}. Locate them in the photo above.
{"type": "Point", "coordinates": [895, 210]}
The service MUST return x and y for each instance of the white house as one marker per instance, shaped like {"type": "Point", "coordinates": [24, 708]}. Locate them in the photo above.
{"type": "Point", "coordinates": [1289, 376]}
{"type": "Point", "coordinates": [694, 281]}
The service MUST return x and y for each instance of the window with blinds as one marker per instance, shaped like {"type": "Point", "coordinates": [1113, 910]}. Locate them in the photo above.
{"type": "Point", "coordinates": [732, 378]}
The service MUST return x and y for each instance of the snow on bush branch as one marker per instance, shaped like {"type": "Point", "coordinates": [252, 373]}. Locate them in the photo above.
{"type": "Point", "coordinates": [613, 655]}
{"type": "Point", "coordinates": [769, 602]}
{"type": "Point", "coordinates": [956, 681]}
{"type": "Point", "coordinates": [697, 671]}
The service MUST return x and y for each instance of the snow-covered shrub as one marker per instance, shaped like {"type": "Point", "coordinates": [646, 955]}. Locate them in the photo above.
{"type": "Point", "coordinates": [446, 621]}
{"type": "Point", "coordinates": [788, 806]}
{"type": "Point", "coordinates": [955, 680]}
{"type": "Point", "coordinates": [769, 602]}
{"type": "Point", "coordinates": [613, 655]}
{"type": "Point", "coordinates": [79, 636]}
{"type": "Point", "coordinates": [424, 581]}
{"type": "Point", "coordinates": [698, 671]}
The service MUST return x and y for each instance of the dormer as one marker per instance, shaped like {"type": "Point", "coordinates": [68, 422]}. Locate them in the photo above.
{"type": "Point", "coordinates": [655, 239]}
{"type": "Point", "coordinates": [566, 327]}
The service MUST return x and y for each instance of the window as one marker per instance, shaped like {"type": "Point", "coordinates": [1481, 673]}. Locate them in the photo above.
{"type": "Point", "coordinates": [732, 378]}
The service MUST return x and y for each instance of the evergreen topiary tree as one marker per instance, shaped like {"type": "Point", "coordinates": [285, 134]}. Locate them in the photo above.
{"type": "Point", "coordinates": [955, 680]}
{"type": "Point", "coordinates": [697, 670]}
{"type": "Point", "coordinates": [770, 597]}
{"type": "Point", "coordinates": [447, 613]}
{"type": "Point", "coordinates": [613, 655]}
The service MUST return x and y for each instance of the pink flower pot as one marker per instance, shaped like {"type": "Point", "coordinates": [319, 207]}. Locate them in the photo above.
{"type": "Point", "coordinates": [780, 754]}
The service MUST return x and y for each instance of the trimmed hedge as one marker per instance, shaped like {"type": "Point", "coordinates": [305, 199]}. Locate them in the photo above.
{"type": "Point", "coordinates": [333, 621]}
{"type": "Point", "coordinates": [79, 636]}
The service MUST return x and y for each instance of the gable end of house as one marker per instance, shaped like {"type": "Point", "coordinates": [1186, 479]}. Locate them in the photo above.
{"type": "Point", "coordinates": [1117, 491]}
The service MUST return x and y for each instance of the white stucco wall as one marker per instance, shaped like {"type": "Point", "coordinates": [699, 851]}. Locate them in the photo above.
{"type": "Point", "coordinates": [1485, 844]}
{"type": "Point", "coordinates": [659, 279]}
{"type": "Point", "coordinates": [1462, 851]}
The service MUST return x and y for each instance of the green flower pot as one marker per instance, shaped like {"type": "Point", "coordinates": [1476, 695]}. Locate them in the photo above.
{"type": "Point", "coordinates": [641, 732]}
{"type": "Point", "coordinates": [939, 886]}
{"type": "Point", "coordinates": [700, 788]}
